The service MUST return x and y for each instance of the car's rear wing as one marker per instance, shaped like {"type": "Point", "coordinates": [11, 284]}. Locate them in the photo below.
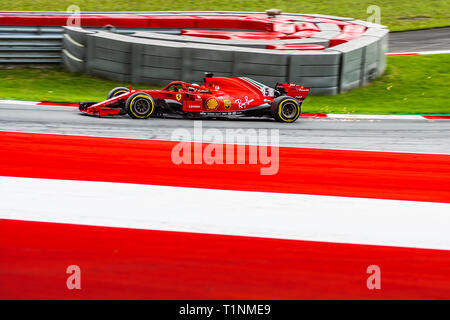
{"type": "Point", "coordinates": [293, 90]}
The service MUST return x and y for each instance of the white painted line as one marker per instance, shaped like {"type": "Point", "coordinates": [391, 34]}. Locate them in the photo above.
{"type": "Point", "coordinates": [257, 214]}
{"type": "Point", "coordinates": [69, 38]}
{"type": "Point", "coordinates": [19, 102]}
{"type": "Point", "coordinates": [435, 52]}
{"type": "Point", "coordinates": [375, 116]}
{"type": "Point", "coordinates": [68, 54]}
{"type": "Point", "coordinates": [33, 105]}
{"type": "Point", "coordinates": [417, 53]}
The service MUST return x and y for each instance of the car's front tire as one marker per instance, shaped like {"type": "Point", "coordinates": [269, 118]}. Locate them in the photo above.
{"type": "Point", "coordinates": [140, 105]}
{"type": "Point", "coordinates": [285, 109]}
{"type": "Point", "coordinates": [116, 92]}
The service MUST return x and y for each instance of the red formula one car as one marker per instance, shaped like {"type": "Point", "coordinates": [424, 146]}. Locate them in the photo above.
{"type": "Point", "coordinates": [218, 97]}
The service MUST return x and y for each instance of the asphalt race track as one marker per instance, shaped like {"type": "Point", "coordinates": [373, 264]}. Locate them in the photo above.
{"type": "Point", "coordinates": [420, 40]}
{"type": "Point", "coordinates": [403, 135]}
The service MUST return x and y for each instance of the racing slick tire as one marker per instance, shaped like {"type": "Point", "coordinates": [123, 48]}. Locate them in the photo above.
{"type": "Point", "coordinates": [117, 91]}
{"type": "Point", "coordinates": [140, 105]}
{"type": "Point", "coordinates": [285, 109]}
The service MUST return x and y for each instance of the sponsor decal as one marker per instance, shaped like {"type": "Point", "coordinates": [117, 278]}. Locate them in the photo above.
{"type": "Point", "coordinates": [227, 104]}
{"type": "Point", "coordinates": [212, 104]}
{"type": "Point", "coordinates": [178, 96]}
{"type": "Point", "coordinates": [242, 103]}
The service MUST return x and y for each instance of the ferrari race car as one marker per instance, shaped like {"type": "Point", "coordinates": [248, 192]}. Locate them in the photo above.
{"type": "Point", "coordinates": [217, 97]}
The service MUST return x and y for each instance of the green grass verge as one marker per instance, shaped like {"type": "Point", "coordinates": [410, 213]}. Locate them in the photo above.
{"type": "Point", "coordinates": [397, 14]}
{"type": "Point", "coordinates": [411, 85]}
{"type": "Point", "coordinates": [54, 84]}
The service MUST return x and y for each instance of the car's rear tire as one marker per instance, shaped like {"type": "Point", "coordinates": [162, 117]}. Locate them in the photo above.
{"type": "Point", "coordinates": [140, 105]}
{"type": "Point", "coordinates": [285, 109]}
{"type": "Point", "coordinates": [116, 92]}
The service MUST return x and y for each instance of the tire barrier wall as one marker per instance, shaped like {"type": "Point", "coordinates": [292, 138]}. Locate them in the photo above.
{"type": "Point", "coordinates": [33, 44]}
{"type": "Point", "coordinates": [146, 59]}
{"type": "Point", "coordinates": [329, 54]}
{"type": "Point", "coordinates": [40, 44]}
